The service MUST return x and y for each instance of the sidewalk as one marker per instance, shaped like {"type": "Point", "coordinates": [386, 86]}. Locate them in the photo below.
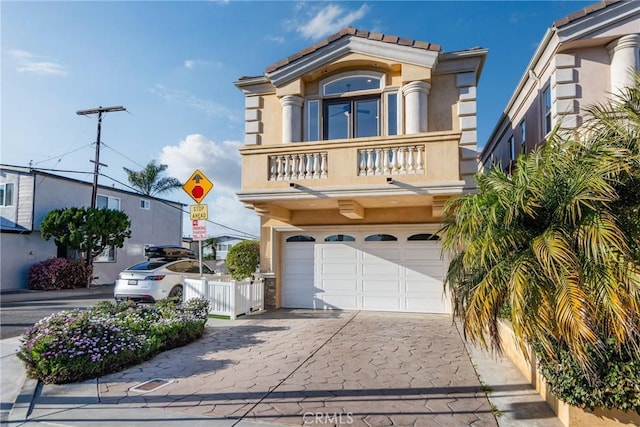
{"type": "Point", "coordinates": [27, 403]}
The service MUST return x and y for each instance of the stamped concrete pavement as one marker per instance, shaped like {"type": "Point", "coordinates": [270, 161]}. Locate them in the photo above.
{"type": "Point", "coordinates": [300, 367]}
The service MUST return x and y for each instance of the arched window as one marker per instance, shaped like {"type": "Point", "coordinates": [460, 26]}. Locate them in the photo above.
{"type": "Point", "coordinates": [347, 85]}
{"type": "Point", "coordinates": [381, 238]}
{"type": "Point", "coordinates": [339, 238]}
{"type": "Point", "coordinates": [300, 238]}
{"type": "Point", "coordinates": [423, 236]}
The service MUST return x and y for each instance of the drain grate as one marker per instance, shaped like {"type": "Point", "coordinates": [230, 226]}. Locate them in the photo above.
{"type": "Point", "coordinates": [151, 385]}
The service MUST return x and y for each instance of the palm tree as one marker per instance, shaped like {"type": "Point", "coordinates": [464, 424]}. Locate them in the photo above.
{"type": "Point", "coordinates": [149, 181]}
{"type": "Point", "coordinates": [555, 243]}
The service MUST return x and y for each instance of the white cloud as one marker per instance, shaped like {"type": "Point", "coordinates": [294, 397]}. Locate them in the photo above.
{"type": "Point", "coordinates": [220, 162]}
{"type": "Point", "coordinates": [328, 20]}
{"type": "Point", "coordinates": [277, 39]}
{"type": "Point", "coordinates": [192, 63]}
{"type": "Point", "coordinates": [209, 108]}
{"type": "Point", "coordinates": [31, 63]}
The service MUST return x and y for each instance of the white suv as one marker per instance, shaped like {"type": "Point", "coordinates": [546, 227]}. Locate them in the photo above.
{"type": "Point", "coordinates": [157, 279]}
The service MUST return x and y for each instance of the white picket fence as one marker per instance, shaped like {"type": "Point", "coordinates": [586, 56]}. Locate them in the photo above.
{"type": "Point", "coordinates": [227, 298]}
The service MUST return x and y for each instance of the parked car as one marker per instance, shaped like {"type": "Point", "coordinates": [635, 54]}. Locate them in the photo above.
{"type": "Point", "coordinates": [169, 252]}
{"type": "Point", "coordinates": [157, 279]}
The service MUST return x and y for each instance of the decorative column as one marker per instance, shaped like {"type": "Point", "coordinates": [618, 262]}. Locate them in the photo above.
{"type": "Point", "coordinates": [415, 101]}
{"type": "Point", "coordinates": [624, 59]}
{"type": "Point", "coordinates": [291, 118]}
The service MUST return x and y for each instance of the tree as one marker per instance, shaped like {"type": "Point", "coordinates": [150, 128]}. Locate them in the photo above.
{"type": "Point", "coordinates": [243, 259]}
{"type": "Point", "coordinates": [149, 181]}
{"type": "Point", "coordinates": [210, 243]}
{"type": "Point", "coordinates": [556, 243]}
{"type": "Point", "coordinates": [88, 230]}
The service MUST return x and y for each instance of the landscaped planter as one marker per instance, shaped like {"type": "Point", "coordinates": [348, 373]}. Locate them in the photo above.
{"type": "Point", "coordinates": [570, 416]}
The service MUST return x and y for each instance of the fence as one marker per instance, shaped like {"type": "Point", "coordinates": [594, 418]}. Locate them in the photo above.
{"type": "Point", "coordinates": [227, 298]}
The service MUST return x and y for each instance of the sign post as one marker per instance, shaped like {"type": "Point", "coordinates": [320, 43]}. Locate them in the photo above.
{"type": "Point", "coordinates": [197, 187]}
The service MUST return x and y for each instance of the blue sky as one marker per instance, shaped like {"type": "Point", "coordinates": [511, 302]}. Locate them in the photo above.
{"type": "Point", "coordinates": [173, 64]}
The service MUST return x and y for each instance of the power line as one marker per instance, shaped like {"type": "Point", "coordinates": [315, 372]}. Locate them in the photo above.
{"type": "Point", "coordinates": [136, 190]}
{"type": "Point", "coordinates": [180, 209]}
{"type": "Point", "coordinates": [61, 156]}
{"type": "Point", "coordinates": [122, 155]}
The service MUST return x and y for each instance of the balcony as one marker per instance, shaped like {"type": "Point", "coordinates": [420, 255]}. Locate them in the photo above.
{"type": "Point", "coordinates": [422, 158]}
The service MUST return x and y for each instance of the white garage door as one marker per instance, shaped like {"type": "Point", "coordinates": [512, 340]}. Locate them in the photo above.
{"type": "Point", "coordinates": [364, 271]}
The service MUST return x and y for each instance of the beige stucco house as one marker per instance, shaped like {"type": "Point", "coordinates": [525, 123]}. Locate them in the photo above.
{"type": "Point", "coordinates": [582, 60]}
{"type": "Point", "coordinates": [352, 147]}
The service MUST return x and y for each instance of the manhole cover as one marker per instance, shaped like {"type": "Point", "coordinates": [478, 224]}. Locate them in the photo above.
{"type": "Point", "coordinates": [151, 385]}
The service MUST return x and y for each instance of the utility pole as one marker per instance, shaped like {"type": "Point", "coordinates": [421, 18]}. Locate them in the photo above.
{"type": "Point", "coordinates": [96, 170]}
{"type": "Point", "coordinates": [96, 167]}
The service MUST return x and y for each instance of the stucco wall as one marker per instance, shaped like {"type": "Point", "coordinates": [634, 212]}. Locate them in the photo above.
{"type": "Point", "coordinates": [161, 224]}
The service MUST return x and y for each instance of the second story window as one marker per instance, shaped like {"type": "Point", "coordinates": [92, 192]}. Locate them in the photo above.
{"type": "Point", "coordinates": [546, 105]}
{"type": "Point", "coordinates": [107, 202]}
{"type": "Point", "coordinates": [145, 204]}
{"type": "Point", "coordinates": [350, 107]}
{"type": "Point", "coordinates": [351, 118]}
{"type": "Point", "coordinates": [6, 194]}
{"type": "Point", "coordinates": [512, 148]}
{"type": "Point", "coordinates": [523, 137]}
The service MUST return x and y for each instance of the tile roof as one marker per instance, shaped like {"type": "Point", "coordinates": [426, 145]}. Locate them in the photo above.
{"type": "Point", "coordinates": [350, 31]}
{"type": "Point", "coordinates": [583, 12]}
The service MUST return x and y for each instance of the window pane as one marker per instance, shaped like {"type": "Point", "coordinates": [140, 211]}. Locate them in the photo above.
{"type": "Point", "coordinates": [380, 238]}
{"type": "Point", "coordinates": [547, 110]}
{"type": "Point", "coordinates": [340, 238]}
{"type": "Point", "coordinates": [351, 84]}
{"type": "Point", "coordinates": [313, 131]}
{"type": "Point", "coordinates": [423, 236]}
{"type": "Point", "coordinates": [392, 114]}
{"type": "Point", "coordinates": [367, 118]}
{"type": "Point", "coordinates": [114, 203]}
{"type": "Point", "coordinates": [337, 120]}
{"type": "Point", "coordinates": [102, 202]}
{"type": "Point", "coordinates": [301, 238]}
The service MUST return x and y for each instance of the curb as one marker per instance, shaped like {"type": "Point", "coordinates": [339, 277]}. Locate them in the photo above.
{"type": "Point", "coordinates": [50, 295]}
{"type": "Point", "coordinates": [22, 406]}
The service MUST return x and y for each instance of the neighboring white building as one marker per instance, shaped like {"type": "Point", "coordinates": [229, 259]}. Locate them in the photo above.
{"type": "Point", "coordinates": [582, 59]}
{"type": "Point", "coordinates": [225, 243]}
{"type": "Point", "coordinates": [27, 195]}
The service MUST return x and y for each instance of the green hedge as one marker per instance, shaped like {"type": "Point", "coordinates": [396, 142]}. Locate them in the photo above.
{"type": "Point", "coordinates": [617, 385]}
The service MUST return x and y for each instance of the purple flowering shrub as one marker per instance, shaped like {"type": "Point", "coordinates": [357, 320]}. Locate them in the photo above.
{"type": "Point", "coordinates": [76, 345]}
{"type": "Point", "coordinates": [58, 273]}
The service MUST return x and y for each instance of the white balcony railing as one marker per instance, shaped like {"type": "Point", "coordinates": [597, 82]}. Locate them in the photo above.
{"type": "Point", "coordinates": [401, 160]}
{"type": "Point", "coordinates": [298, 166]}
{"type": "Point", "coordinates": [227, 298]}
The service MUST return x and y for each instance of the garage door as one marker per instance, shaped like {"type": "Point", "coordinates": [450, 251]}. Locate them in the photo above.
{"type": "Point", "coordinates": [364, 271]}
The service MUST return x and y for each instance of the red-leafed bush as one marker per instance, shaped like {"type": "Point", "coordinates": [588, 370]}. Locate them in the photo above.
{"type": "Point", "coordinates": [58, 273]}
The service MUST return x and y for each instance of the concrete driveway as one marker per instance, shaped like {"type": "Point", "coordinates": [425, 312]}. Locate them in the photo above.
{"type": "Point", "coordinates": [303, 367]}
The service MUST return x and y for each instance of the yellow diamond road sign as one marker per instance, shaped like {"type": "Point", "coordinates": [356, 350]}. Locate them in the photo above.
{"type": "Point", "coordinates": [197, 186]}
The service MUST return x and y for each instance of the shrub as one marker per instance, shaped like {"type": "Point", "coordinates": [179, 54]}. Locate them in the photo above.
{"type": "Point", "coordinates": [243, 259]}
{"type": "Point", "coordinates": [617, 385]}
{"type": "Point", "coordinates": [76, 345]}
{"type": "Point", "coordinates": [58, 273]}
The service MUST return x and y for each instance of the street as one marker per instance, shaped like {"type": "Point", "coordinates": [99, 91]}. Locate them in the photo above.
{"type": "Point", "coordinates": [15, 317]}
